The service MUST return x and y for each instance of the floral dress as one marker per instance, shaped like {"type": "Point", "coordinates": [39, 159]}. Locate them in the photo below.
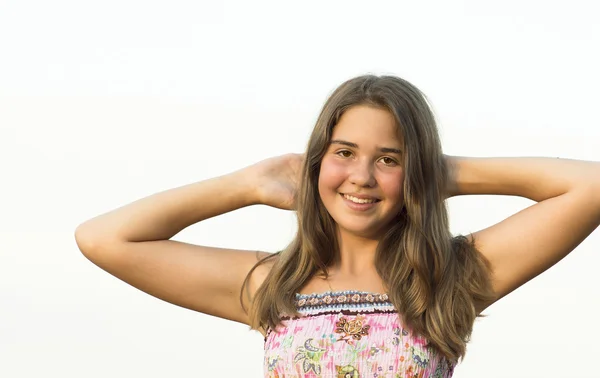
{"type": "Point", "coordinates": [349, 334]}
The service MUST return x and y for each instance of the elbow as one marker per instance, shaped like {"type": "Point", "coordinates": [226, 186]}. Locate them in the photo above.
{"type": "Point", "coordinates": [84, 239]}
{"type": "Point", "coordinates": [80, 237]}
{"type": "Point", "coordinates": [89, 239]}
{"type": "Point", "coordinates": [101, 251]}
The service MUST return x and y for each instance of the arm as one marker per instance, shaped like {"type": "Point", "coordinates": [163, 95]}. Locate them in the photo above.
{"type": "Point", "coordinates": [132, 243]}
{"type": "Point", "coordinates": [526, 244]}
{"type": "Point", "coordinates": [163, 215]}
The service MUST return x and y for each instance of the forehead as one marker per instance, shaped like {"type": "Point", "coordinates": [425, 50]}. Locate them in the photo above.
{"type": "Point", "coordinates": [368, 124]}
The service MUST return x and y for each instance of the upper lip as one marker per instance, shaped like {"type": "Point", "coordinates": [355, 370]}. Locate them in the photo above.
{"type": "Point", "coordinates": [362, 196]}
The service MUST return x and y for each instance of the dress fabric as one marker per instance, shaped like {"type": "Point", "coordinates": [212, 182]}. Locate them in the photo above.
{"type": "Point", "coordinates": [349, 334]}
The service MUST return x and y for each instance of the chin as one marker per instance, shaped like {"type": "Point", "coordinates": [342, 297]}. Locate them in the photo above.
{"type": "Point", "coordinates": [362, 230]}
{"type": "Point", "coordinates": [369, 230]}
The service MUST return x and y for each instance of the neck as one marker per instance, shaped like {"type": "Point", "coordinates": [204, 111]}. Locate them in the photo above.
{"type": "Point", "coordinates": [356, 254]}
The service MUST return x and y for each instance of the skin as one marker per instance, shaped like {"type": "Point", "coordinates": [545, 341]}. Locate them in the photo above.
{"type": "Point", "coordinates": [566, 211]}
{"type": "Point", "coordinates": [133, 242]}
{"type": "Point", "coordinates": [355, 163]}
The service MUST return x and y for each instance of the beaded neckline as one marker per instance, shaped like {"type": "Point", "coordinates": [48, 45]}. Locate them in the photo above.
{"type": "Point", "coordinates": [340, 297]}
{"type": "Point", "coordinates": [336, 292]}
{"type": "Point", "coordinates": [348, 302]}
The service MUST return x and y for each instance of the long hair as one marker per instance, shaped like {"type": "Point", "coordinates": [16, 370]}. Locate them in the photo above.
{"type": "Point", "coordinates": [434, 280]}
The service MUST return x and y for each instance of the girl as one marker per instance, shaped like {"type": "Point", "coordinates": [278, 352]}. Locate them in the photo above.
{"type": "Point", "coordinates": [373, 284]}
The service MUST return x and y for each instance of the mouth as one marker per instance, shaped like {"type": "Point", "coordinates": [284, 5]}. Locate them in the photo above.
{"type": "Point", "coordinates": [360, 199]}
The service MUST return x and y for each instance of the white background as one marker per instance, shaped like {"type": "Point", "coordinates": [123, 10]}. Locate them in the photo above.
{"type": "Point", "coordinates": [102, 103]}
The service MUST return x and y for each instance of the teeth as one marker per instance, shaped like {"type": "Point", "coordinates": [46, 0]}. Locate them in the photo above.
{"type": "Point", "coordinates": [359, 200]}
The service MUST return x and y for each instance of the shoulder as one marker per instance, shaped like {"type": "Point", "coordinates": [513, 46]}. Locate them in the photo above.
{"type": "Point", "coordinates": [264, 263]}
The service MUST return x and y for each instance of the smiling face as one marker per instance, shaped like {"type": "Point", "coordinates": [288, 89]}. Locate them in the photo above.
{"type": "Point", "coordinates": [361, 175]}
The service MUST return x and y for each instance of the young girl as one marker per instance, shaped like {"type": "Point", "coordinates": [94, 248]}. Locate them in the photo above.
{"type": "Point", "coordinates": [373, 284]}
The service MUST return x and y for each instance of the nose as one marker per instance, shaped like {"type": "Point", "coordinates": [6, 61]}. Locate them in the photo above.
{"type": "Point", "coordinates": [361, 174]}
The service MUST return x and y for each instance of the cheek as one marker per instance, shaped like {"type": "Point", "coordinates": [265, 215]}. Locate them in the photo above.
{"type": "Point", "coordinates": [331, 177]}
{"type": "Point", "coordinates": [392, 186]}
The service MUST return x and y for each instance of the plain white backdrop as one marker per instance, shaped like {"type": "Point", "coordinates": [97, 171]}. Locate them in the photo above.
{"type": "Point", "coordinates": [102, 103]}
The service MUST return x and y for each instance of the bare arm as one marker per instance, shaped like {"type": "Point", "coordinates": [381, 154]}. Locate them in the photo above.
{"type": "Point", "coordinates": [162, 215]}
{"type": "Point", "coordinates": [526, 244]}
{"type": "Point", "coordinates": [132, 242]}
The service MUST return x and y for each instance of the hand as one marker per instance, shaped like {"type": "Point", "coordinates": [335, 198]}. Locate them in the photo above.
{"type": "Point", "coordinates": [277, 180]}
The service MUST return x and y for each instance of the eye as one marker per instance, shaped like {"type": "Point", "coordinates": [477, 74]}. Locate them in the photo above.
{"type": "Point", "coordinates": [344, 153]}
{"type": "Point", "coordinates": [389, 161]}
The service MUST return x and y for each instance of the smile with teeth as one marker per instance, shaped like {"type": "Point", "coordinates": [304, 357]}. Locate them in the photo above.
{"type": "Point", "coordinates": [360, 200]}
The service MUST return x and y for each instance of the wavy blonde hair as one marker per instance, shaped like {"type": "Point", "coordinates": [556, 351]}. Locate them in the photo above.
{"type": "Point", "coordinates": [436, 281]}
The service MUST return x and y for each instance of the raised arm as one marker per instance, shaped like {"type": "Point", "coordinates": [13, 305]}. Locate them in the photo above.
{"type": "Point", "coordinates": [132, 242]}
{"type": "Point", "coordinates": [526, 244]}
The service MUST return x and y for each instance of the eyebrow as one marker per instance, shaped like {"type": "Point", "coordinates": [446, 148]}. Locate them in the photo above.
{"type": "Point", "coordinates": [354, 145]}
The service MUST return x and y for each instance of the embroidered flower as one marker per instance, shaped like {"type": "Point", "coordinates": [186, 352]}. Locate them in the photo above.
{"type": "Point", "coordinates": [354, 328]}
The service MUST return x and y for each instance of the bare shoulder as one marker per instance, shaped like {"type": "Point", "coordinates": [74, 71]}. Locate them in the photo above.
{"type": "Point", "coordinates": [260, 269]}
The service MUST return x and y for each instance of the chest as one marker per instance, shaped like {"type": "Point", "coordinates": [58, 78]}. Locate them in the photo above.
{"type": "Point", "coordinates": [349, 339]}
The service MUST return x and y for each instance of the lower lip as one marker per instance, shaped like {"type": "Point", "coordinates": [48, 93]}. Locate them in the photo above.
{"type": "Point", "coordinates": [359, 206]}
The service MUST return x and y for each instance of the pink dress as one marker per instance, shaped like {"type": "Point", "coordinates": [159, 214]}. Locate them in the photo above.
{"type": "Point", "coordinates": [349, 334]}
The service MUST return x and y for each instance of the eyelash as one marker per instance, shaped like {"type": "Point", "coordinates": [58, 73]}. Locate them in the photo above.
{"type": "Point", "coordinates": [341, 152]}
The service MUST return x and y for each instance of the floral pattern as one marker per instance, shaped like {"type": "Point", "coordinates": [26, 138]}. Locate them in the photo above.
{"type": "Point", "coordinates": [349, 334]}
{"type": "Point", "coordinates": [310, 356]}
{"type": "Point", "coordinates": [354, 328]}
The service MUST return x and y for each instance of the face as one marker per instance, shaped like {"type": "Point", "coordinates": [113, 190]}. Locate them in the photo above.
{"type": "Point", "coordinates": [361, 177]}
